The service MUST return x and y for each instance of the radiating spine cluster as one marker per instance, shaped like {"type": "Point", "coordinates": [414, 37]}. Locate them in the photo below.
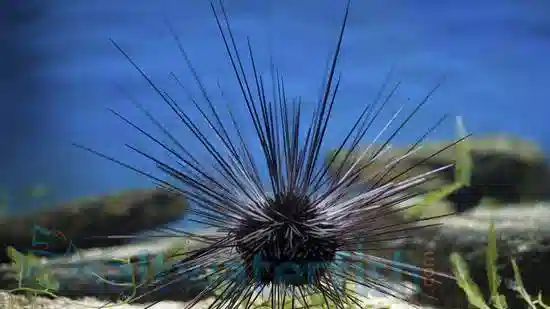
{"type": "Point", "coordinates": [302, 231]}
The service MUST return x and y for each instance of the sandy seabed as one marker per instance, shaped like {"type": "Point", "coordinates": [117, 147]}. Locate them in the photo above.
{"type": "Point", "coordinates": [10, 301]}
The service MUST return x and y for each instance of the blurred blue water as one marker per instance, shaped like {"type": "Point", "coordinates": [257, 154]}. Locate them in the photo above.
{"type": "Point", "coordinates": [494, 54]}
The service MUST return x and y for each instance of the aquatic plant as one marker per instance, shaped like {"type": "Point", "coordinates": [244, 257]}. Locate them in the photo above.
{"type": "Point", "coordinates": [36, 279]}
{"type": "Point", "coordinates": [497, 300]}
{"type": "Point", "coordinates": [297, 232]}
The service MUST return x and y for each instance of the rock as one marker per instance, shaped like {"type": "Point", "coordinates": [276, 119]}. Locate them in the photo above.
{"type": "Point", "coordinates": [86, 223]}
{"type": "Point", "coordinates": [78, 274]}
{"type": "Point", "coordinates": [523, 233]}
{"type": "Point", "coordinates": [12, 301]}
{"type": "Point", "coordinates": [505, 170]}
{"type": "Point", "coordinates": [21, 301]}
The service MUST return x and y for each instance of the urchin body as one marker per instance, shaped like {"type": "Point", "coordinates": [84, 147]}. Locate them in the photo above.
{"type": "Point", "coordinates": [289, 248]}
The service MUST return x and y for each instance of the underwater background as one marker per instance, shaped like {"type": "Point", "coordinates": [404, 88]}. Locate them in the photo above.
{"type": "Point", "coordinates": [61, 73]}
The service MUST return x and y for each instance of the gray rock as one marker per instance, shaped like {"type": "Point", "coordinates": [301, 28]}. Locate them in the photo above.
{"type": "Point", "coordinates": [79, 274]}
{"type": "Point", "coordinates": [505, 170]}
{"type": "Point", "coordinates": [86, 223]}
{"type": "Point", "coordinates": [523, 233]}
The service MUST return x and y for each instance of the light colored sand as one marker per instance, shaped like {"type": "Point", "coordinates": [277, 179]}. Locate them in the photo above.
{"type": "Point", "coordinates": [9, 301]}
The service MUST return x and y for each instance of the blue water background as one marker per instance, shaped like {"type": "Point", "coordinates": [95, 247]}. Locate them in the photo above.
{"type": "Point", "coordinates": [493, 53]}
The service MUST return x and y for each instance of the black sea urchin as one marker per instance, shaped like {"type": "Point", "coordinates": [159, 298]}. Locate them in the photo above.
{"type": "Point", "coordinates": [302, 231]}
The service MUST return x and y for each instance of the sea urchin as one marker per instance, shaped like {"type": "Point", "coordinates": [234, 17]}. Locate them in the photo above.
{"type": "Point", "coordinates": [303, 230]}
